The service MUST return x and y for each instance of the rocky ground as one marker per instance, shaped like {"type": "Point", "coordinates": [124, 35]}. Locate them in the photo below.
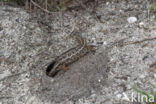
{"type": "Point", "coordinates": [124, 33]}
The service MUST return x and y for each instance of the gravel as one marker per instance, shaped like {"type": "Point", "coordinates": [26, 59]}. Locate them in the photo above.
{"type": "Point", "coordinates": [28, 44]}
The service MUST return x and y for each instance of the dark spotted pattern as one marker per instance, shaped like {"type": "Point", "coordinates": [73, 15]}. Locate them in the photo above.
{"type": "Point", "coordinates": [69, 57]}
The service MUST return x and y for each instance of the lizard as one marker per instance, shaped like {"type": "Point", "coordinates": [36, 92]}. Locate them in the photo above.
{"type": "Point", "coordinates": [72, 55]}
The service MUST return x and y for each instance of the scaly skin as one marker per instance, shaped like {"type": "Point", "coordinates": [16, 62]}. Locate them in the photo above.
{"type": "Point", "coordinates": [74, 54]}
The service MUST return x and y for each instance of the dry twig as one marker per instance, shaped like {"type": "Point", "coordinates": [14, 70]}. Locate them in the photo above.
{"type": "Point", "coordinates": [45, 10]}
{"type": "Point", "coordinates": [135, 42]}
{"type": "Point", "coordinates": [11, 76]}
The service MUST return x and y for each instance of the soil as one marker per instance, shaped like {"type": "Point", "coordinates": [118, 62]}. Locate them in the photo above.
{"type": "Point", "coordinates": [125, 54]}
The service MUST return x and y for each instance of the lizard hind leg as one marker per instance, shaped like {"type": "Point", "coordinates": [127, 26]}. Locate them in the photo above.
{"type": "Point", "coordinates": [79, 39]}
{"type": "Point", "coordinates": [91, 48]}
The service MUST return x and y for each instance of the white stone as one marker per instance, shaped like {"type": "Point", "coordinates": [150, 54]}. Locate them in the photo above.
{"type": "Point", "coordinates": [119, 96]}
{"type": "Point", "coordinates": [154, 75]}
{"type": "Point", "coordinates": [107, 102]}
{"type": "Point", "coordinates": [105, 43]}
{"type": "Point", "coordinates": [142, 76]}
{"type": "Point", "coordinates": [141, 24]}
{"type": "Point", "coordinates": [125, 98]}
{"type": "Point", "coordinates": [131, 19]}
{"type": "Point", "coordinates": [107, 3]}
{"type": "Point", "coordinates": [99, 80]}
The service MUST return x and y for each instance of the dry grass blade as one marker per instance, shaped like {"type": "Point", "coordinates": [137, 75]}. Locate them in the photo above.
{"type": "Point", "coordinates": [135, 42]}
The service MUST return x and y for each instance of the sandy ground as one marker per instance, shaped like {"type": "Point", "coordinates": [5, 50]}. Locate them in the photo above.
{"type": "Point", "coordinates": [125, 55]}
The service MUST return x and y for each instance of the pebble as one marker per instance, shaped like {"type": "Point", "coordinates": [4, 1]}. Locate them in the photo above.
{"type": "Point", "coordinates": [107, 3]}
{"type": "Point", "coordinates": [107, 101]}
{"type": "Point", "coordinates": [142, 76]}
{"type": "Point", "coordinates": [32, 27]}
{"type": "Point", "coordinates": [154, 75]}
{"type": "Point", "coordinates": [125, 98]}
{"type": "Point", "coordinates": [141, 24]}
{"type": "Point", "coordinates": [119, 96]}
{"type": "Point", "coordinates": [131, 19]}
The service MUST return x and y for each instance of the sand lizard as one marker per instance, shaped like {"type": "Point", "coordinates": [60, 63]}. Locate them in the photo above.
{"type": "Point", "coordinates": [65, 59]}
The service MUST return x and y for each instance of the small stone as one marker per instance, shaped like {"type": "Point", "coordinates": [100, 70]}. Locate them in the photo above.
{"type": "Point", "coordinates": [154, 75]}
{"type": "Point", "coordinates": [131, 19]}
{"type": "Point", "coordinates": [125, 98]}
{"type": "Point", "coordinates": [104, 43]}
{"type": "Point", "coordinates": [99, 80]}
{"type": "Point", "coordinates": [24, 27]}
{"type": "Point", "coordinates": [129, 87]}
{"type": "Point", "coordinates": [119, 96]}
{"type": "Point", "coordinates": [107, 3]}
{"type": "Point", "coordinates": [142, 76]}
{"type": "Point", "coordinates": [32, 27]}
{"type": "Point", "coordinates": [66, 24]}
{"type": "Point", "coordinates": [141, 24]}
{"type": "Point", "coordinates": [107, 101]}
